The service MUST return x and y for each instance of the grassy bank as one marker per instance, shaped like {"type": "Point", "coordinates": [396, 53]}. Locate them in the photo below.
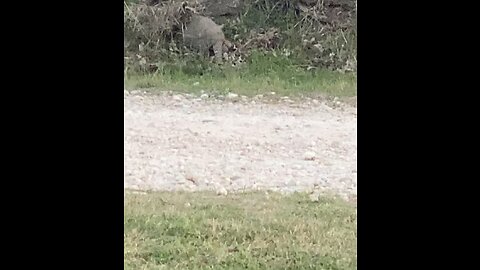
{"type": "Point", "coordinates": [280, 49]}
{"type": "Point", "coordinates": [263, 75]}
{"type": "Point", "coordinates": [241, 231]}
{"type": "Point", "coordinates": [322, 36]}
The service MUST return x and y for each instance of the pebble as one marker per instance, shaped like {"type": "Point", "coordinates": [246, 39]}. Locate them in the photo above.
{"type": "Point", "coordinates": [309, 155]}
{"type": "Point", "coordinates": [222, 191]}
{"type": "Point", "coordinates": [177, 97]}
{"type": "Point", "coordinates": [232, 96]}
{"type": "Point", "coordinates": [314, 197]}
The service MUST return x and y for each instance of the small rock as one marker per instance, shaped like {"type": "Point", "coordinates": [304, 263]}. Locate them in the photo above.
{"type": "Point", "coordinates": [177, 97]}
{"type": "Point", "coordinates": [187, 204]}
{"type": "Point", "coordinates": [272, 93]}
{"type": "Point", "coordinates": [222, 191]}
{"type": "Point", "coordinates": [204, 96]}
{"type": "Point", "coordinates": [314, 197]}
{"type": "Point", "coordinates": [290, 183]}
{"type": "Point", "coordinates": [317, 183]}
{"type": "Point", "coordinates": [190, 177]}
{"type": "Point", "coordinates": [297, 167]}
{"type": "Point", "coordinates": [309, 155]}
{"type": "Point", "coordinates": [196, 83]}
{"type": "Point", "coordinates": [232, 96]}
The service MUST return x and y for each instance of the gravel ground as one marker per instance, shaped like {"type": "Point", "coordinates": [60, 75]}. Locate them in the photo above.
{"type": "Point", "coordinates": [235, 143]}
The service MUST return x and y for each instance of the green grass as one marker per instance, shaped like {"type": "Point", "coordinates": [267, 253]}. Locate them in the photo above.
{"type": "Point", "coordinates": [263, 73]}
{"type": "Point", "coordinates": [324, 82]}
{"type": "Point", "coordinates": [241, 231]}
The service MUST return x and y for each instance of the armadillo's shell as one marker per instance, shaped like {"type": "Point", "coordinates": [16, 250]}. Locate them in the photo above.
{"type": "Point", "coordinates": [201, 33]}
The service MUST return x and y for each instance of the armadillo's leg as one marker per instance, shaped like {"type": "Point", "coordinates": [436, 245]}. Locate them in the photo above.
{"type": "Point", "coordinates": [217, 50]}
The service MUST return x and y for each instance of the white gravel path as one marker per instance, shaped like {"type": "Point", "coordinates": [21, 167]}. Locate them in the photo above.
{"type": "Point", "coordinates": [184, 142]}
